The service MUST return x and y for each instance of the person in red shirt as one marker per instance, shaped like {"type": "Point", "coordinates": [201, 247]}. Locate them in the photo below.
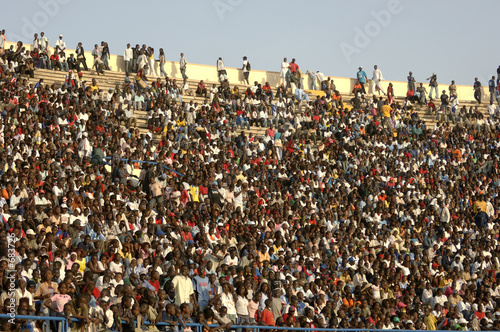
{"type": "Point", "coordinates": [202, 89]}
{"type": "Point", "coordinates": [411, 95]}
{"type": "Point", "coordinates": [293, 66]}
{"type": "Point", "coordinates": [267, 317]}
{"type": "Point", "coordinates": [480, 314]}
{"type": "Point", "coordinates": [155, 281]}
{"type": "Point", "coordinates": [268, 92]}
{"type": "Point", "coordinates": [54, 60]}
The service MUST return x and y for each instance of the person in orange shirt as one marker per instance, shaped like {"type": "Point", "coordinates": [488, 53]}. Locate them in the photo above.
{"type": "Point", "coordinates": [357, 88]}
{"type": "Point", "coordinates": [7, 191]}
{"type": "Point", "coordinates": [263, 254]}
{"type": "Point", "coordinates": [267, 317]}
{"type": "Point", "coordinates": [348, 301]}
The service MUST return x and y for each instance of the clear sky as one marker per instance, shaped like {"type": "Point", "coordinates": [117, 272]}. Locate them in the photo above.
{"type": "Point", "coordinates": [454, 38]}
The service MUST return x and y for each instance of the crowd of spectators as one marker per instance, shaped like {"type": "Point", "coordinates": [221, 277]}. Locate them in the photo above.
{"type": "Point", "coordinates": [344, 214]}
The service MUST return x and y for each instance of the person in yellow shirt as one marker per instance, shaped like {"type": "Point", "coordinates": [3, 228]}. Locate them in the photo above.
{"type": "Point", "coordinates": [240, 176]}
{"type": "Point", "coordinates": [480, 203]}
{"type": "Point", "coordinates": [386, 110]}
{"type": "Point", "coordinates": [195, 193]}
{"type": "Point", "coordinates": [94, 86]}
{"type": "Point", "coordinates": [180, 122]}
{"type": "Point", "coordinates": [430, 320]}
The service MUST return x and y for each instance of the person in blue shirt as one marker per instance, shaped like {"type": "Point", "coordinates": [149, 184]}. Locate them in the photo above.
{"type": "Point", "coordinates": [300, 95]}
{"type": "Point", "coordinates": [411, 81]}
{"type": "Point", "coordinates": [201, 286]}
{"type": "Point", "coordinates": [361, 76]}
{"type": "Point", "coordinates": [23, 324]}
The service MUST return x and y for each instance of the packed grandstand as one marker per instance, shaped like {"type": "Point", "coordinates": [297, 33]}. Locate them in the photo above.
{"type": "Point", "coordinates": [241, 204]}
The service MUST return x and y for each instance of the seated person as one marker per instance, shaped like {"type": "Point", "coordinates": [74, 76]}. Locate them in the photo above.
{"type": "Point", "coordinates": [201, 89]}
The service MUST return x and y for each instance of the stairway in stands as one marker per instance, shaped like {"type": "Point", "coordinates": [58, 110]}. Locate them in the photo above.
{"type": "Point", "coordinates": [113, 78]}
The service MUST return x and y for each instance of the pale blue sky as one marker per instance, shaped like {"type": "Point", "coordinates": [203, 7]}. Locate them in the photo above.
{"type": "Point", "coordinates": [452, 37]}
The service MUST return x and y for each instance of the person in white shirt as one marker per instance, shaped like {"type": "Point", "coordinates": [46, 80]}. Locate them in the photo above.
{"type": "Point", "coordinates": [220, 67]}
{"type": "Point", "coordinates": [22, 292]}
{"type": "Point", "coordinates": [376, 79]}
{"type": "Point", "coordinates": [142, 60]}
{"type": "Point", "coordinates": [263, 117]}
{"type": "Point", "coordinates": [43, 42]}
{"type": "Point", "coordinates": [320, 77]}
{"type": "Point", "coordinates": [231, 259]}
{"type": "Point", "coordinates": [127, 58]}
{"type": "Point", "coordinates": [427, 294]}
{"type": "Point", "coordinates": [284, 70]}
{"type": "Point", "coordinates": [60, 44]}
{"type": "Point", "coordinates": [183, 287]}
{"type": "Point", "coordinates": [246, 71]}
{"type": "Point", "coordinates": [63, 62]}
{"type": "Point", "coordinates": [440, 298]}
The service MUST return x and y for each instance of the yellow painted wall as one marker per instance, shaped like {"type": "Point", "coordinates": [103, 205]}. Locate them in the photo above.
{"type": "Point", "coordinates": [209, 74]}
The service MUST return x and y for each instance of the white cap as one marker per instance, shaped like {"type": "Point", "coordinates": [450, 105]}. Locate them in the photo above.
{"type": "Point", "coordinates": [30, 232]}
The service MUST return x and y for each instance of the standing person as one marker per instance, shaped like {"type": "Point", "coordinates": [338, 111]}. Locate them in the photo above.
{"type": "Point", "coordinates": [246, 69]}
{"type": "Point", "coordinates": [3, 39]}
{"type": "Point", "coordinates": [491, 87]}
{"type": "Point", "coordinates": [312, 80]}
{"type": "Point", "coordinates": [444, 104]}
{"type": "Point", "coordinates": [284, 70]}
{"type": "Point", "coordinates": [433, 84]}
{"type": "Point", "coordinates": [390, 93]}
{"type": "Point", "coordinates": [43, 42]}
{"type": "Point", "coordinates": [411, 81]}
{"type": "Point", "coordinates": [80, 57]}
{"type": "Point", "coordinates": [60, 44]}
{"type": "Point", "coordinates": [135, 57]}
{"type": "Point", "coordinates": [128, 56]}
{"type": "Point", "coordinates": [151, 61]}
{"type": "Point", "coordinates": [321, 79]}
{"type": "Point", "coordinates": [477, 90]}
{"type": "Point", "coordinates": [96, 51]}
{"type": "Point", "coordinates": [183, 63]}
{"type": "Point", "coordinates": [377, 78]}
{"type": "Point", "coordinates": [422, 100]}
{"type": "Point", "coordinates": [453, 89]}
{"type": "Point", "coordinates": [201, 287]}
{"type": "Point", "coordinates": [142, 60]}
{"type": "Point", "coordinates": [162, 63]}
{"type": "Point", "coordinates": [98, 64]}
{"type": "Point", "coordinates": [220, 67]}
{"type": "Point", "coordinates": [35, 42]}
{"type": "Point", "coordinates": [183, 287]}
{"type": "Point", "coordinates": [105, 55]}
{"type": "Point", "coordinates": [361, 76]}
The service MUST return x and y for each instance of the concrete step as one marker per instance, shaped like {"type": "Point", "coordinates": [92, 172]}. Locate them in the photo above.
{"type": "Point", "coordinates": [112, 78]}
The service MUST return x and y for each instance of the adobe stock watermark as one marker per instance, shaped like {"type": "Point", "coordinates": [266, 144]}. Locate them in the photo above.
{"type": "Point", "coordinates": [223, 6]}
{"type": "Point", "coordinates": [47, 10]}
{"type": "Point", "coordinates": [11, 277]}
{"type": "Point", "coordinates": [372, 28]}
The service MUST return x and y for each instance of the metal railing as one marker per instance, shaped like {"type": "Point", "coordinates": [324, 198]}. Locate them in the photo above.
{"type": "Point", "coordinates": [196, 327]}
{"type": "Point", "coordinates": [15, 318]}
